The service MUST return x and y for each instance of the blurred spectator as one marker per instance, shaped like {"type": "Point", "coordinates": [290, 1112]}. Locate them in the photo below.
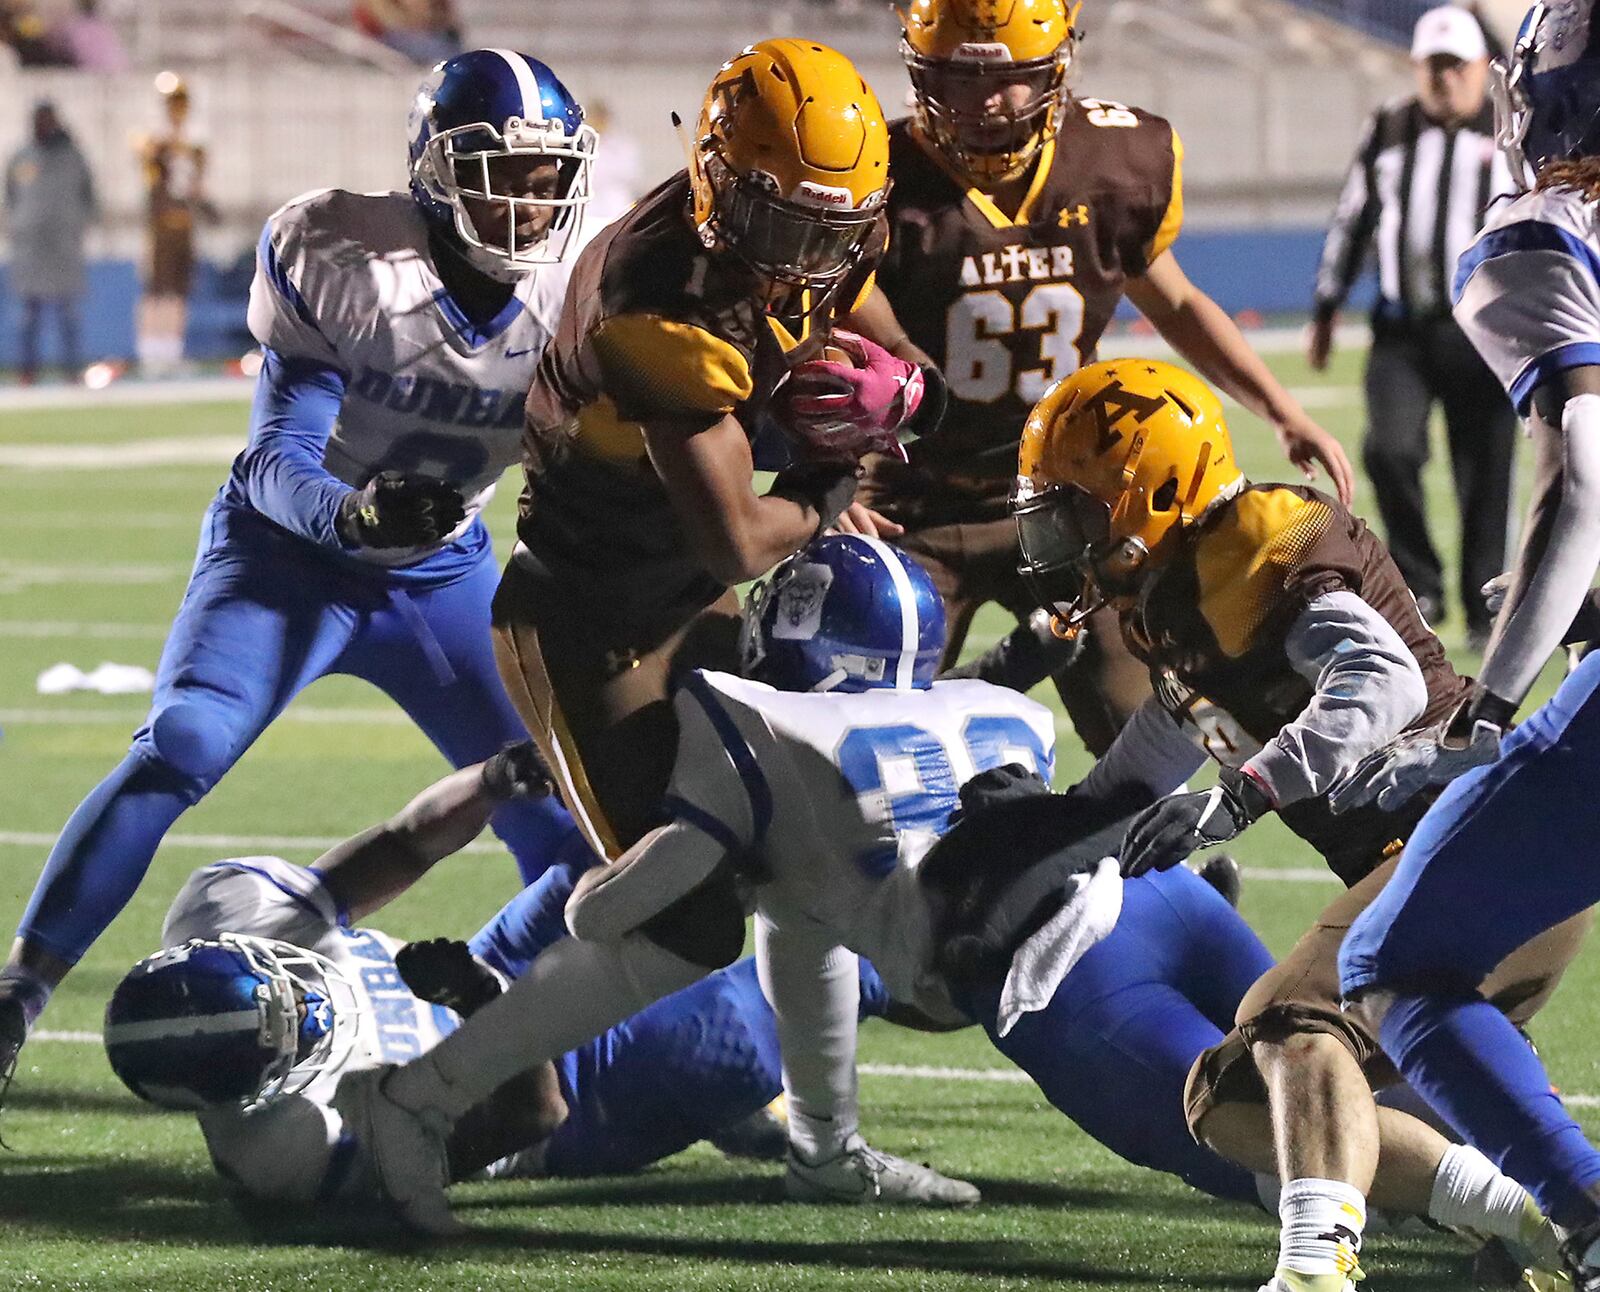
{"type": "Point", "coordinates": [1418, 189]}
{"type": "Point", "coordinates": [84, 39]}
{"type": "Point", "coordinates": [49, 205]}
{"type": "Point", "coordinates": [27, 33]}
{"type": "Point", "coordinates": [174, 173]}
{"type": "Point", "coordinates": [425, 31]}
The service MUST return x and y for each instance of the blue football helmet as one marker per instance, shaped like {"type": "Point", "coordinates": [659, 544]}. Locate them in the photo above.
{"type": "Point", "coordinates": [235, 1020]}
{"type": "Point", "coordinates": [847, 613]}
{"type": "Point", "coordinates": [1547, 93]}
{"type": "Point", "coordinates": [487, 104]}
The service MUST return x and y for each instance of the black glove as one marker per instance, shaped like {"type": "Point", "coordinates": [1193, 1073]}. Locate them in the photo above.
{"type": "Point", "coordinates": [1169, 830]}
{"type": "Point", "coordinates": [396, 509]}
{"type": "Point", "coordinates": [824, 487]}
{"type": "Point", "coordinates": [517, 771]}
{"type": "Point", "coordinates": [444, 972]}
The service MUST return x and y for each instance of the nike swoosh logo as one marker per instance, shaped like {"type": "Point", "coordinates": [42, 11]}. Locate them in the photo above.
{"type": "Point", "coordinates": [517, 354]}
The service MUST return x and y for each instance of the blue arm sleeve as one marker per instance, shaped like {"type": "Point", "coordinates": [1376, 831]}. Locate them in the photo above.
{"type": "Point", "coordinates": [280, 471]}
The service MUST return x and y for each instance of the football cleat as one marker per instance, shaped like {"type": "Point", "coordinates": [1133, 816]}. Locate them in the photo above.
{"type": "Point", "coordinates": [1289, 1281]}
{"type": "Point", "coordinates": [1222, 872]}
{"type": "Point", "coordinates": [406, 1150]}
{"type": "Point", "coordinates": [861, 1175]}
{"type": "Point", "coordinates": [444, 972]}
{"type": "Point", "coordinates": [13, 1034]}
{"type": "Point", "coordinates": [763, 1136]}
{"type": "Point", "coordinates": [1581, 1251]}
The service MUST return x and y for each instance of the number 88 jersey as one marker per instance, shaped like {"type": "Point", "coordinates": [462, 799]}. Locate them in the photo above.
{"type": "Point", "coordinates": [1007, 307]}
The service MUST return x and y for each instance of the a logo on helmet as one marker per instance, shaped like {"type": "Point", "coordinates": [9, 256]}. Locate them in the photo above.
{"type": "Point", "coordinates": [1111, 403]}
{"type": "Point", "coordinates": [982, 52]}
{"type": "Point", "coordinates": [799, 613]}
{"type": "Point", "coordinates": [808, 193]}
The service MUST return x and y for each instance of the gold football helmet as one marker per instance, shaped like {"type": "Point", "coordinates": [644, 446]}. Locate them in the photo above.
{"type": "Point", "coordinates": [1115, 460]}
{"type": "Point", "coordinates": [790, 163]}
{"type": "Point", "coordinates": [989, 78]}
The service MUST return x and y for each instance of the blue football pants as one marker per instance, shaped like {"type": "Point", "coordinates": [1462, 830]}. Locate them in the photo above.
{"type": "Point", "coordinates": [1114, 1047]}
{"type": "Point", "coordinates": [265, 615]}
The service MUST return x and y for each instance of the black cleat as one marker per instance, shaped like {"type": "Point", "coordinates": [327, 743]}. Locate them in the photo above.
{"type": "Point", "coordinates": [763, 1136]}
{"type": "Point", "coordinates": [444, 972]}
{"type": "Point", "coordinates": [1222, 872]}
{"type": "Point", "coordinates": [1581, 1251]}
{"type": "Point", "coordinates": [13, 1033]}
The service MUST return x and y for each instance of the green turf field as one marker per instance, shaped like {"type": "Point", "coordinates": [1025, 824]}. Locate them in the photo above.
{"type": "Point", "coordinates": [101, 1192]}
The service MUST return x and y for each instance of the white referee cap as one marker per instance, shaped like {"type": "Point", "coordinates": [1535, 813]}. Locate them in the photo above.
{"type": "Point", "coordinates": [1448, 30]}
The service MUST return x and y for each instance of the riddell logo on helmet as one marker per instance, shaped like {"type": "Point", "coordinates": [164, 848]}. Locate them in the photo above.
{"type": "Point", "coordinates": [982, 52]}
{"type": "Point", "coordinates": [823, 195]}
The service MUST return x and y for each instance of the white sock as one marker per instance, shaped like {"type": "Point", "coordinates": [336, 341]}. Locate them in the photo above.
{"type": "Point", "coordinates": [571, 994]}
{"type": "Point", "coordinates": [1321, 1222]}
{"type": "Point", "coordinates": [814, 988]}
{"type": "Point", "coordinates": [1469, 1192]}
{"type": "Point", "coordinates": [28, 987]}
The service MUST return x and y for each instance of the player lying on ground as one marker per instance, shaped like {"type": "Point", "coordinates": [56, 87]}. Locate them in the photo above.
{"type": "Point", "coordinates": [268, 994]}
{"type": "Point", "coordinates": [399, 332]}
{"type": "Point", "coordinates": [1508, 850]}
{"type": "Point", "coordinates": [826, 795]}
{"type": "Point", "coordinates": [1283, 644]}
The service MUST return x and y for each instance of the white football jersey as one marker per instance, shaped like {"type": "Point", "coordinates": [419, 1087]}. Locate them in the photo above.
{"type": "Point", "coordinates": [294, 1148]}
{"type": "Point", "coordinates": [1528, 290]}
{"type": "Point", "coordinates": [841, 796]}
{"type": "Point", "coordinates": [346, 279]}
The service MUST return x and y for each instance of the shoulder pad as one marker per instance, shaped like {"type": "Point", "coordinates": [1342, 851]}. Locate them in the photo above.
{"type": "Point", "coordinates": [653, 364]}
{"type": "Point", "coordinates": [1244, 560]}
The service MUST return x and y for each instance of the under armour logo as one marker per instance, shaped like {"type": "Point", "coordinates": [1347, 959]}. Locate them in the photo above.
{"type": "Point", "coordinates": [1072, 215]}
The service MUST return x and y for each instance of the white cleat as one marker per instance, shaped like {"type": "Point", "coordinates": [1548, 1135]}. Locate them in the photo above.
{"type": "Point", "coordinates": [861, 1174]}
{"type": "Point", "coordinates": [406, 1150]}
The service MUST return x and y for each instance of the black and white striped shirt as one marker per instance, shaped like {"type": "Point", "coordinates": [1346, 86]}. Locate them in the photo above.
{"type": "Point", "coordinates": [1418, 190]}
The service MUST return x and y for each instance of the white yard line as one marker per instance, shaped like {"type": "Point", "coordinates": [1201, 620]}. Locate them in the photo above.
{"type": "Point", "coordinates": [180, 450]}
{"type": "Point", "coordinates": [233, 845]}
{"type": "Point", "coordinates": [905, 1071]}
{"type": "Point", "coordinates": [18, 576]}
{"type": "Point", "coordinates": [67, 629]}
{"type": "Point", "coordinates": [69, 717]}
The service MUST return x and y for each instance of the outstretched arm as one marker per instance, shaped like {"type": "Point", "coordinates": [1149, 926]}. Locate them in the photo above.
{"type": "Point", "coordinates": [1201, 331]}
{"type": "Point", "coordinates": [372, 869]}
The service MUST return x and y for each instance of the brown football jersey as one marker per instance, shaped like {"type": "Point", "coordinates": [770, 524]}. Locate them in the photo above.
{"type": "Point", "coordinates": [653, 328]}
{"type": "Point", "coordinates": [1007, 307]}
{"type": "Point", "coordinates": [1212, 627]}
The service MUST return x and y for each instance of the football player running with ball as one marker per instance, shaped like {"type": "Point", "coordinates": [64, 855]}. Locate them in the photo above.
{"type": "Point", "coordinates": [399, 333]}
{"type": "Point", "coordinates": [1283, 645]}
{"type": "Point", "coordinates": [1508, 850]}
{"type": "Point", "coordinates": [640, 512]}
{"type": "Point", "coordinates": [1019, 219]}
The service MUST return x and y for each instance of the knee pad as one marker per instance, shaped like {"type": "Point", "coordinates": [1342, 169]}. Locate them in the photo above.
{"type": "Point", "coordinates": [193, 742]}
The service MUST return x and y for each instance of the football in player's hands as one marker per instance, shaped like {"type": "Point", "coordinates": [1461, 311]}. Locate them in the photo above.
{"type": "Point", "coordinates": [400, 509]}
{"type": "Point", "coordinates": [852, 399]}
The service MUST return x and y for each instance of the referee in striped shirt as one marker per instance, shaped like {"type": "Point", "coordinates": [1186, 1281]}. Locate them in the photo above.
{"type": "Point", "coordinates": [1417, 191]}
